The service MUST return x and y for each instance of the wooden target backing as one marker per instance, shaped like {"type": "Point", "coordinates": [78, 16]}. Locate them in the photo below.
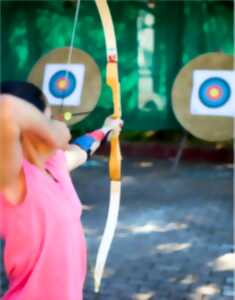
{"type": "Point", "coordinates": [209, 128]}
{"type": "Point", "coordinates": [91, 85]}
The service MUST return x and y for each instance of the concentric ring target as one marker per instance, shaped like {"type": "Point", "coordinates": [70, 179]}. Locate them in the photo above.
{"type": "Point", "coordinates": [89, 90]}
{"type": "Point", "coordinates": [62, 84]}
{"type": "Point", "coordinates": [214, 92]}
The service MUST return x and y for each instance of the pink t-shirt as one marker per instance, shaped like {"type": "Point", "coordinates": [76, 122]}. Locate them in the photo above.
{"type": "Point", "coordinates": [45, 251]}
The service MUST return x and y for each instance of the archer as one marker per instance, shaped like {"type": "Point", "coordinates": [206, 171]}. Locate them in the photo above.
{"type": "Point", "coordinates": [45, 251]}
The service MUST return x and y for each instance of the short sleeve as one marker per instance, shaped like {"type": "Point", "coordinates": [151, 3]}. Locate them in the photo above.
{"type": "Point", "coordinates": [57, 163]}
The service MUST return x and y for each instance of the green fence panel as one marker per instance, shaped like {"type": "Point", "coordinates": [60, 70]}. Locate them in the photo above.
{"type": "Point", "coordinates": [154, 43]}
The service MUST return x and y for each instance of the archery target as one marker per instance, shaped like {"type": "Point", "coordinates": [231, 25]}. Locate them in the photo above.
{"type": "Point", "coordinates": [63, 84]}
{"type": "Point", "coordinates": [207, 123]}
{"type": "Point", "coordinates": [212, 93]}
{"type": "Point", "coordinates": [75, 95]}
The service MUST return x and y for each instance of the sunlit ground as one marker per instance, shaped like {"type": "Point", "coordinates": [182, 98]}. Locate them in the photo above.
{"type": "Point", "coordinates": [174, 238]}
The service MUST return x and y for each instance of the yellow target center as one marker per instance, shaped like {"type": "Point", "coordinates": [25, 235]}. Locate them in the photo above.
{"type": "Point", "coordinates": [214, 92]}
{"type": "Point", "coordinates": [62, 84]}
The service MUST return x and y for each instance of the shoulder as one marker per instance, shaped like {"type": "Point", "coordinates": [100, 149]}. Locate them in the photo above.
{"type": "Point", "coordinates": [57, 162]}
{"type": "Point", "coordinates": [57, 157]}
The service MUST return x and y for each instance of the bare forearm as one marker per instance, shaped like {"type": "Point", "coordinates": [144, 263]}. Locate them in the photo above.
{"type": "Point", "coordinates": [30, 120]}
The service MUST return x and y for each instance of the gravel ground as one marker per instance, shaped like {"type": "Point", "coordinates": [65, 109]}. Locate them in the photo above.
{"type": "Point", "coordinates": [174, 240]}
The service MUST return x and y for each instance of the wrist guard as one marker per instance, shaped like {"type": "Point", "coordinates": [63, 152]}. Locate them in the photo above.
{"type": "Point", "coordinates": [89, 141]}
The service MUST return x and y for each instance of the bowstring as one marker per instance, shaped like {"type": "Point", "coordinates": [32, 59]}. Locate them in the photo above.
{"type": "Point", "coordinates": [75, 22]}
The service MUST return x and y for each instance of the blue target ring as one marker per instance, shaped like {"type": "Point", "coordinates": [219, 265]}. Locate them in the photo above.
{"type": "Point", "coordinates": [62, 84]}
{"type": "Point", "coordinates": [214, 92]}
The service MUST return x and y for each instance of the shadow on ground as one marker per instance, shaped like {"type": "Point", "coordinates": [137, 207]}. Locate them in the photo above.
{"type": "Point", "coordinates": [174, 238]}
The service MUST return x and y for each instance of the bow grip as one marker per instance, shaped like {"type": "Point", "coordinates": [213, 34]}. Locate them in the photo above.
{"type": "Point", "coordinates": [115, 159]}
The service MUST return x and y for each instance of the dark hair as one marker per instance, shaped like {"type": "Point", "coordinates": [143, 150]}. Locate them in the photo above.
{"type": "Point", "coordinates": [25, 90]}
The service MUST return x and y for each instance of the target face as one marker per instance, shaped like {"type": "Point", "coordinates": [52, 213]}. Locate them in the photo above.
{"type": "Point", "coordinates": [214, 92]}
{"type": "Point", "coordinates": [64, 84]}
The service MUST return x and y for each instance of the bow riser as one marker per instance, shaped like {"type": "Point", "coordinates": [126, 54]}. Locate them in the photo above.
{"type": "Point", "coordinates": [115, 152]}
{"type": "Point", "coordinates": [115, 159]}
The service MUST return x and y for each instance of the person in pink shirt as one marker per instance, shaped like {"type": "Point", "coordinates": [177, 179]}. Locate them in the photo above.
{"type": "Point", "coordinates": [44, 253]}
